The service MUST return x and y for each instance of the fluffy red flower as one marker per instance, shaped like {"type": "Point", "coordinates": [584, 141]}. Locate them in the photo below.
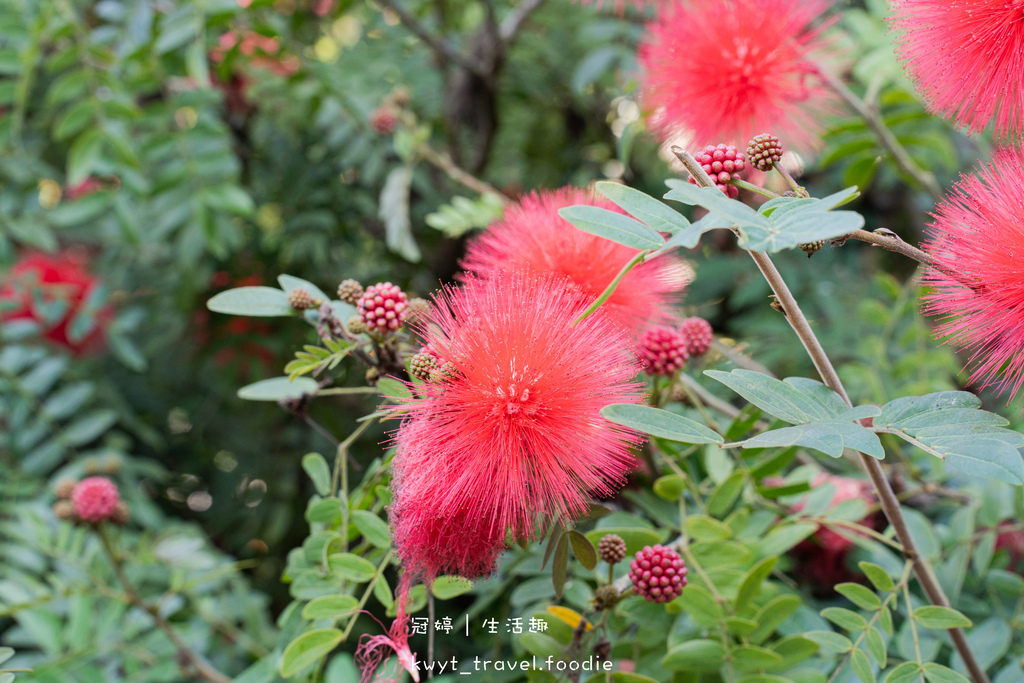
{"type": "Point", "coordinates": [978, 279]}
{"type": "Point", "coordinates": [730, 69]}
{"type": "Point", "coordinates": [514, 438]}
{"type": "Point", "coordinates": [52, 290]}
{"type": "Point", "coordinates": [95, 499]}
{"type": "Point", "coordinates": [967, 59]}
{"type": "Point", "coordinates": [823, 560]}
{"type": "Point", "coordinates": [532, 235]}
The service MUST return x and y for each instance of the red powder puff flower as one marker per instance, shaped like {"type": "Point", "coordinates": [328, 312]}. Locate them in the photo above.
{"type": "Point", "coordinates": [730, 69]}
{"type": "Point", "coordinates": [53, 290]}
{"type": "Point", "coordinates": [823, 560]}
{"type": "Point", "coordinates": [514, 437]}
{"type": "Point", "coordinates": [95, 499]}
{"type": "Point", "coordinates": [967, 59]}
{"type": "Point", "coordinates": [978, 278]}
{"type": "Point", "coordinates": [532, 235]}
{"type": "Point", "coordinates": [374, 651]}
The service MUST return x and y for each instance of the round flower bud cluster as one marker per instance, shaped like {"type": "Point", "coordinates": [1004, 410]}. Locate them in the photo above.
{"type": "Point", "coordinates": [611, 548]}
{"type": "Point", "coordinates": [606, 597]}
{"type": "Point", "coordinates": [418, 309]}
{"type": "Point", "coordinates": [764, 151]}
{"type": "Point", "coordinates": [92, 500]}
{"type": "Point", "coordinates": [300, 299]}
{"type": "Point", "coordinates": [722, 163]}
{"type": "Point", "coordinates": [383, 307]}
{"type": "Point", "coordinates": [356, 325]}
{"type": "Point", "coordinates": [698, 335]}
{"type": "Point", "coordinates": [422, 366]}
{"type": "Point", "coordinates": [445, 372]}
{"type": "Point", "coordinates": [658, 574]}
{"type": "Point", "coordinates": [383, 120]}
{"type": "Point", "coordinates": [811, 248]}
{"type": "Point", "coordinates": [350, 291]}
{"type": "Point", "coordinates": [663, 350]}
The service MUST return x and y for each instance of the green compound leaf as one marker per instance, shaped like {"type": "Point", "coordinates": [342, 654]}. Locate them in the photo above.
{"type": "Point", "coordinates": [782, 223]}
{"type": "Point", "coordinates": [951, 426]}
{"type": "Point", "coordinates": [643, 207]}
{"type": "Point", "coordinates": [824, 421]}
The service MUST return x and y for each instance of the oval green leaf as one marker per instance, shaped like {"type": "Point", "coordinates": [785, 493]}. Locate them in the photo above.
{"type": "Point", "coordinates": [307, 649]}
{"type": "Point", "coordinates": [661, 423]}
{"type": "Point", "coordinates": [329, 607]}
{"type": "Point", "coordinates": [251, 301]}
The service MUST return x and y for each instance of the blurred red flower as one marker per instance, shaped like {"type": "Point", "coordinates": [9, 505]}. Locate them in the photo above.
{"type": "Point", "coordinates": [55, 291]}
{"type": "Point", "coordinates": [727, 70]}
{"type": "Point", "coordinates": [978, 279]}
{"type": "Point", "coordinates": [823, 560]}
{"type": "Point", "coordinates": [532, 235]}
{"type": "Point", "coordinates": [966, 58]}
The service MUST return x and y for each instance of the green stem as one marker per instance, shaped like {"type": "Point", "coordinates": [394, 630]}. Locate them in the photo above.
{"type": "Point", "coordinates": [793, 184]}
{"type": "Point", "coordinates": [201, 666]}
{"type": "Point", "coordinates": [610, 289]}
{"type": "Point", "coordinates": [366, 596]}
{"type": "Point", "coordinates": [756, 189]}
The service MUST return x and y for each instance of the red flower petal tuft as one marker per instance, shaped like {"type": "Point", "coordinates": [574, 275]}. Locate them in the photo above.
{"type": "Point", "coordinates": [513, 438]}
{"type": "Point", "coordinates": [532, 235]}
{"type": "Point", "coordinates": [979, 281]}
{"type": "Point", "coordinates": [967, 59]}
{"type": "Point", "coordinates": [40, 283]}
{"type": "Point", "coordinates": [728, 70]}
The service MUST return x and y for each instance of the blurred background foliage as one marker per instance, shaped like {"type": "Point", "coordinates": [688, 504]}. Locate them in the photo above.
{"type": "Point", "coordinates": [182, 147]}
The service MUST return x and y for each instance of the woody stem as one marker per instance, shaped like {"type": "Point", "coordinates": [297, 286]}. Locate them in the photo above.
{"type": "Point", "coordinates": [887, 497]}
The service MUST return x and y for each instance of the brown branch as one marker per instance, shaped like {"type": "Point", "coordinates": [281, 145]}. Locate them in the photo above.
{"type": "Point", "coordinates": [464, 178]}
{"type": "Point", "coordinates": [201, 666]}
{"type": "Point", "coordinates": [887, 497]}
{"type": "Point", "coordinates": [438, 45]}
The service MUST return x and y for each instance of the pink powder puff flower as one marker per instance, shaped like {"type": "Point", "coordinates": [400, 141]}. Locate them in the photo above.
{"type": "Point", "coordinates": [978, 278]}
{"type": "Point", "coordinates": [513, 437]}
{"type": "Point", "coordinates": [374, 651]}
{"type": "Point", "coordinates": [532, 235]}
{"type": "Point", "coordinates": [967, 59]}
{"type": "Point", "coordinates": [728, 70]}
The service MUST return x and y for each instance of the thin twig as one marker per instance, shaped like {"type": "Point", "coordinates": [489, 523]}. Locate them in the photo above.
{"type": "Point", "coordinates": [874, 120]}
{"type": "Point", "coordinates": [202, 667]}
{"type": "Point", "coordinates": [887, 497]}
{"type": "Point", "coordinates": [445, 163]}
{"type": "Point", "coordinates": [438, 45]}
{"type": "Point", "coordinates": [894, 243]}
